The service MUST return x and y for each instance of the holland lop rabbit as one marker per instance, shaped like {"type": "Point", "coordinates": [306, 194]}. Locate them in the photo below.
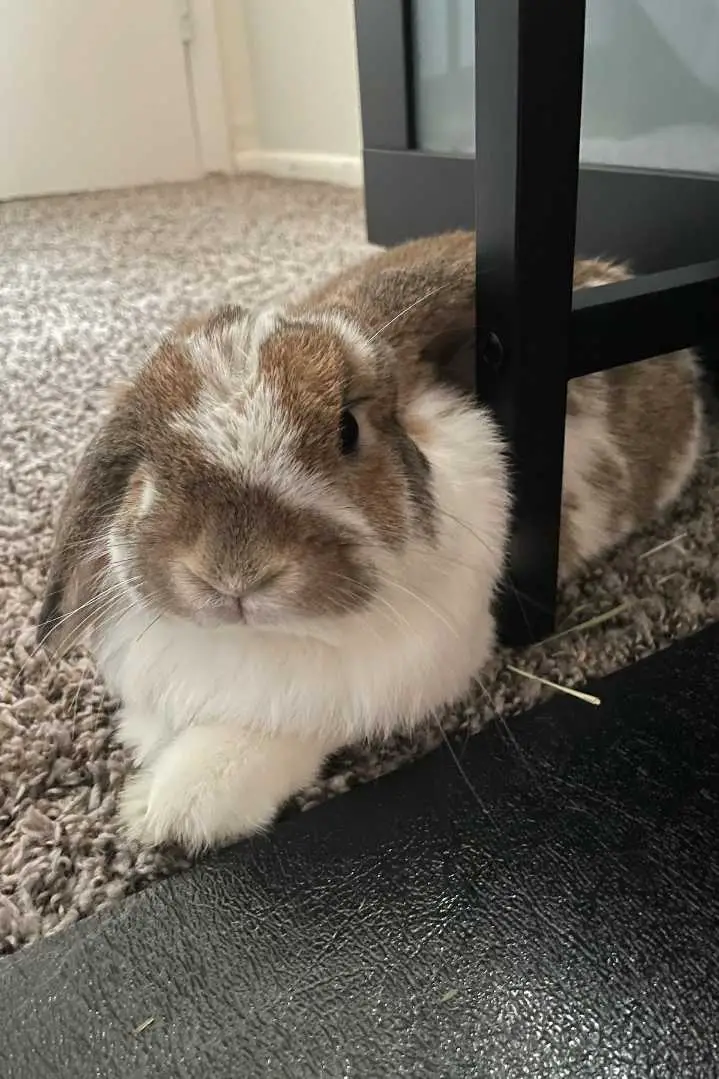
{"type": "Point", "coordinates": [288, 532]}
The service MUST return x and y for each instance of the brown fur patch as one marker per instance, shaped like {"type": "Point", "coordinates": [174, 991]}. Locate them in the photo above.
{"type": "Point", "coordinates": [568, 547]}
{"type": "Point", "coordinates": [378, 484]}
{"type": "Point", "coordinates": [314, 373]}
{"type": "Point", "coordinates": [167, 384]}
{"type": "Point", "coordinates": [650, 413]}
{"type": "Point", "coordinates": [308, 368]}
{"type": "Point", "coordinates": [412, 297]}
{"type": "Point", "coordinates": [651, 417]}
{"type": "Point", "coordinates": [607, 479]}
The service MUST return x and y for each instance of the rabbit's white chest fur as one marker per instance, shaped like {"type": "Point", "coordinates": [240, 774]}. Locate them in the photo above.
{"type": "Point", "coordinates": [415, 648]}
{"type": "Point", "coordinates": [391, 666]}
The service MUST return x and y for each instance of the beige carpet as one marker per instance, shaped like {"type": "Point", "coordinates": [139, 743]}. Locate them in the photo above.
{"type": "Point", "coordinates": [86, 285]}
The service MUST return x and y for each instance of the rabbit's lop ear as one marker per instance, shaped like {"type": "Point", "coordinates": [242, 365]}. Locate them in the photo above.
{"type": "Point", "coordinates": [421, 297]}
{"type": "Point", "coordinates": [75, 592]}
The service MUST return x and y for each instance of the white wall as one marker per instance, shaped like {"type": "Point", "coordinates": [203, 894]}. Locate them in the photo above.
{"type": "Point", "coordinates": [291, 85]}
{"type": "Point", "coordinates": [93, 96]}
{"type": "Point", "coordinates": [237, 75]}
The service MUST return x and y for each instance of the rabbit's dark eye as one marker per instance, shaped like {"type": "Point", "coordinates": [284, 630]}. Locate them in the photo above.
{"type": "Point", "coordinates": [349, 432]}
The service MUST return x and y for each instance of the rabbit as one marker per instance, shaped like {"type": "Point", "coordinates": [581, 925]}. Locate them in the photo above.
{"type": "Point", "coordinates": [289, 532]}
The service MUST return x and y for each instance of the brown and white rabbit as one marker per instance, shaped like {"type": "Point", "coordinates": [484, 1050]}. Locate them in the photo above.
{"type": "Point", "coordinates": [288, 533]}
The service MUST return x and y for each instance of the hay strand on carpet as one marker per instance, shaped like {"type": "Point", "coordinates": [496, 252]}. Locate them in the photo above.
{"type": "Point", "coordinates": [588, 698]}
{"type": "Point", "coordinates": [673, 542]}
{"type": "Point", "coordinates": [591, 623]}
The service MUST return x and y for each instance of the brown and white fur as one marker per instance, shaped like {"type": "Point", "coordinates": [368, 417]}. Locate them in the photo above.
{"type": "Point", "coordinates": [261, 590]}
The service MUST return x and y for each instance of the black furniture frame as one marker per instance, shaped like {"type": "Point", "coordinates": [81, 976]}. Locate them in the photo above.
{"type": "Point", "coordinates": [534, 207]}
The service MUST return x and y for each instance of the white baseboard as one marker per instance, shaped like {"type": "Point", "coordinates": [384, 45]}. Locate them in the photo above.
{"type": "Point", "coordinates": [331, 168]}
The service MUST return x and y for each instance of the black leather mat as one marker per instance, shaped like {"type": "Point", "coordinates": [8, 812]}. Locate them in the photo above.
{"type": "Point", "coordinates": [559, 919]}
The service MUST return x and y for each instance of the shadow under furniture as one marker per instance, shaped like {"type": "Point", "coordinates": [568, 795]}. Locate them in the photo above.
{"type": "Point", "coordinates": [428, 72]}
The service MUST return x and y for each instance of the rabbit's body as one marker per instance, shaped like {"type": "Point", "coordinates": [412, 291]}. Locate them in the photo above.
{"type": "Point", "coordinates": [289, 534]}
{"type": "Point", "coordinates": [632, 439]}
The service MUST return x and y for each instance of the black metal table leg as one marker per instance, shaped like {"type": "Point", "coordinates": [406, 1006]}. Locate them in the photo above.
{"type": "Point", "coordinates": [529, 62]}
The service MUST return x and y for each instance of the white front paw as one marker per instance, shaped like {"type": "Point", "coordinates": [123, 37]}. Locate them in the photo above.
{"type": "Point", "coordinates": [177, 804]}
{"type": "Point", "coordinates": [212, 785]}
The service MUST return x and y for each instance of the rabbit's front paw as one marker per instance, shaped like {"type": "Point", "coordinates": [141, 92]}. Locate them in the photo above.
{"type": "Point", "coordinates": [212, 785]}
